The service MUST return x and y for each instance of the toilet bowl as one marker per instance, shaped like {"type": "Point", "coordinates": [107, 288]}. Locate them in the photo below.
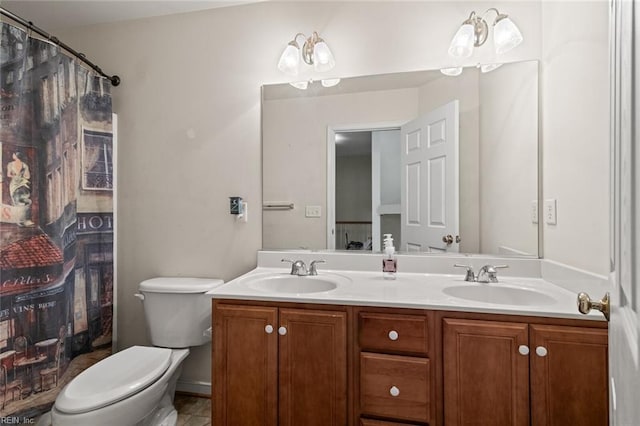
{"type": "Point", "coordinates": [136, 386]}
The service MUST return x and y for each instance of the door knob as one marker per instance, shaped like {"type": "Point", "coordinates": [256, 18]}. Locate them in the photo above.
{"type": "Point", "coordinates": [447, 239]}
{"type": "Point", "coordinates": [585, 304]}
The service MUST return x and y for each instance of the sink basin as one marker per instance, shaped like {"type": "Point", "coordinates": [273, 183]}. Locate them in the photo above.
{"type": "Point", "coordinates": [285, 283]}
{"type": "Point", "coordinates": [500, 295]}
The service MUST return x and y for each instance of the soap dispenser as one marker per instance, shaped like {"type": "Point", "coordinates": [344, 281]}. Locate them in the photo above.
{"type": "Point", "coordinates": [389, 262]}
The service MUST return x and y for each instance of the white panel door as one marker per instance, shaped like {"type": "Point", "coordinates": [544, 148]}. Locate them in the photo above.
{"type": "Point", "coordinates": [624, 328]}
{"type": "Point", "coordinates": [429, 180]}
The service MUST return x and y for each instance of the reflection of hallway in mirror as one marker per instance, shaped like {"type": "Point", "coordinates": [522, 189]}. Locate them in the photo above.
{"type": "Point", "coordinates": [353, 191]}
{"type": "Point", "coordinates": [367, 189]}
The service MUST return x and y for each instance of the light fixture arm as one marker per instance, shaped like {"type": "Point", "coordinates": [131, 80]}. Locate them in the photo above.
{"type": "Point", "coordinates": [307, 47]}
{"type": "Point", "coordinates": [480, 26]}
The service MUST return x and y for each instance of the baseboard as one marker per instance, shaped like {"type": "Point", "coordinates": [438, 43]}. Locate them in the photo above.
{"type": "Point", "coordinates": [194, 387]}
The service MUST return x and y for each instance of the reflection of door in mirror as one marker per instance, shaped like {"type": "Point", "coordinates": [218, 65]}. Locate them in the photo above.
{"type": "Point", "coordinates": [400, 182]}
{"type": "Point", "coordinates": [498, 153]}
{"type": "Point", "coordinates": [429, 181]}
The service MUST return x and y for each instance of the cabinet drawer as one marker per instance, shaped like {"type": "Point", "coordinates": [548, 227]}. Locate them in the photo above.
{"type": "Point", "coordinates": [395, 386]}
{"type": "Point", "coordinates": [395, 333]}
{"type": "Point", "coordinates": [371, 422]}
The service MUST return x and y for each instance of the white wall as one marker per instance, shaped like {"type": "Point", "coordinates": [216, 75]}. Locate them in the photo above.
{"type": "Point", "coordinates": [189, 108]}
{"type": "Point", "coordinates": [509, 158]}
{"type": "Point", "coordinates": [575, 131]}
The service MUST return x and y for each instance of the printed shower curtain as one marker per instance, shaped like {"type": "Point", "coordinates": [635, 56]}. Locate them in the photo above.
{"type": "Point", "coordinates": [56, 222]}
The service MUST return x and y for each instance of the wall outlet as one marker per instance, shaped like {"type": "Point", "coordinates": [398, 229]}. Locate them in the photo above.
{"type": "Point", "coordinates": [313, 211]}
{"type": "Point", "coordinates": [534, 211]}
{"type": "Point", "coordinates": [550, 212]}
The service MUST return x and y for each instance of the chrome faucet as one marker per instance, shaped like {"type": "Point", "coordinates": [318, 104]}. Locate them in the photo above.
{"type": "Point", "coordinates": [470, 276]}
{"type": "Point", "coordinates": [300, 269]}
{"type": "Point", "coordinates": [312, 267]}
{"type": "Point", "coordinates": [489, 273]}
{"type": "Point", "coordinates": [297, 267]}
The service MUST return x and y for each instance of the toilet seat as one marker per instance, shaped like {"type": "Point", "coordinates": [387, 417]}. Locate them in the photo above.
{"type": "Point", "coordinates": [114, 378]}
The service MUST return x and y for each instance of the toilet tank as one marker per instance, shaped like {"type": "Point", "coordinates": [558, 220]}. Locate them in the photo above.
{"type": "Point", "coordinates": [177, 310]}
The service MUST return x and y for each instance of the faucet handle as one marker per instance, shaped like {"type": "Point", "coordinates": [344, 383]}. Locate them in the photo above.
{"type": "Point", "coordinates": [470, 276]}
{"type": "Point", "coordinates": [489, 274]}
{"type": "Point", "coordinates": [312, 266]}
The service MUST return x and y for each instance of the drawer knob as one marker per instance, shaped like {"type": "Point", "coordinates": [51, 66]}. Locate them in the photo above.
{"type": "Point", "coordinates": [393, 335]}
{"type": "Point", "coordinates": [282, 331]}
{"type": "Point", "coordinates": [268, 328]}
{"type": "Point", "coordinates": [523, 349]}
{"type": "Point", "coordinates": [394, 391]}
{"type": "Point", "coordinates": [541, 351]}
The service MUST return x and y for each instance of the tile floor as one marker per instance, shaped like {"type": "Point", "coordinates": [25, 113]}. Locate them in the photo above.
{"type": "Point", "coordinates": [193, 410]}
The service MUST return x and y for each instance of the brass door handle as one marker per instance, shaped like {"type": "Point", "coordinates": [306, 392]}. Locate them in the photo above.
{"type": "Point", "coordinates": [585, 304]}
{"type": "Point", "coordinates": [447, 239]}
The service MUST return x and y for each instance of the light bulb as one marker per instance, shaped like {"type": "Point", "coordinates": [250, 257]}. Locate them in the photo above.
{"type": "Point", "coordinates": [330, 82]}
{"type": "Point", "coordinates": [290, 59]}
{"type": "Point", "coordinates": [302, 85]}
{"type": "Point", "coordinates": [506, 35]}
{"type": "Point", "coordinates": [489, 67]}
{"type": "Point", "coordinates": [322, 57]}
{"type": "Point", "coordinates": [462, 43]}
{"type": "Point", "coordinates": [451, 72]}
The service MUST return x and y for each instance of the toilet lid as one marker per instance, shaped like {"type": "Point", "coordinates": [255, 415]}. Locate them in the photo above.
{"type": "Point", "coordinates": [179, 285]}
{"type": "Point", "coordinates": [114, 379]}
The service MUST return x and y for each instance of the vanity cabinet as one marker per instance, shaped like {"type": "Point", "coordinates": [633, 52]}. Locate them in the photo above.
{"type": "Point", "coordinates": [395, 371]}
{"type": "Point", "coordinates": [512, 373]}
{"type": "Point", "coordinates": [276, 365]}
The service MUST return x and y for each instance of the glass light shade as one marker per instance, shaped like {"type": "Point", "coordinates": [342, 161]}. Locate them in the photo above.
{"type": "Point", "coordinates": [451, 72]}
{"type": "Point", "coordinates": [330, 82]}
{"type": "Point", "coordinates": [506, 35]}
{"type": "Point", "coordinates": [462, 43]}
{"type": "Point", "coordinates": [489, 67]}
{"type": "Point", "coordinates": [322, 57]}
{"type": "Point", "coordinates": [290, 60]}
{"type": "Point", "coordinates": [302, 85]}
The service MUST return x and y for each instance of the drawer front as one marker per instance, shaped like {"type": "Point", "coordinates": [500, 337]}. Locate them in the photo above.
{"type": "Point", "coordinates": [371, 422]}
{"type": "Point", "coordinates": [395, 386]}
{"type": "Point", "coordinates": [395, 333]}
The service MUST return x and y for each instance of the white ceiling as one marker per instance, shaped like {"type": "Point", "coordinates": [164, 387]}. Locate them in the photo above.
{"type": "Point", "coordinates": [53, 15]}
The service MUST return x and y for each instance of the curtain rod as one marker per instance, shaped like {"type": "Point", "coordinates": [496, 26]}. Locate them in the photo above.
{"type": "Point", "coordinates": [114, 79]}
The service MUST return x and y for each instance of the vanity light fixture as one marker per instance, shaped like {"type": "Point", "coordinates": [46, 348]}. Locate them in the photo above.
{"type": "Point", "coordinates": [474, 32]}
{"type": "Point", "coordinates": [315, 51]}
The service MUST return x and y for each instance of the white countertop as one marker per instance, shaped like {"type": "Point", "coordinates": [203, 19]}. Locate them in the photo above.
{"type": "Point", "coordinates": [408, 290]}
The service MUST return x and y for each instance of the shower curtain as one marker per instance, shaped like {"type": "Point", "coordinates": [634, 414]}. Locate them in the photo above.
{"type": "Point", "coordinates": [56, 222]}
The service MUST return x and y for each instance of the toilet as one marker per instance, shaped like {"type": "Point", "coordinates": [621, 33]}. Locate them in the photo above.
{"type": "Point", "coordinates": [136, 386]}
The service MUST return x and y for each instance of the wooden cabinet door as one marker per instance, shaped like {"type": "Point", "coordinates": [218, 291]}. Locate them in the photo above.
{"type": "Point", "coordinates": [313, 368]}
{"type": "Point", "coordinates": [245, 363]}
{"type": "Point", "coordinates": [486, 379]}
{"type": "Point", "coordinates": [569, 376]}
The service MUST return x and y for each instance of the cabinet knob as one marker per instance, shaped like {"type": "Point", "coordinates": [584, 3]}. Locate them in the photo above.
{"type": "Point", "coordinates": [394, 391]}
{"type": "Point", "coordinates": [282, 331]}
{"type": "Point", "coordinates": [393, 335]}
{"type": "Point", "coordinates": [523, 349]}
{"type": "Point", "coordinates": [268, 328]}
{"type": "Point", "coordinates": [541, 351]}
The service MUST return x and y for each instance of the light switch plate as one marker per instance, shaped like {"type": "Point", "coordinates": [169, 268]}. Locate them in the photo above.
{"type": "Point", "coordinates": [534, 211]}
{"type": "Point", "coordinates": [313, 211]}
{"type": "Point", "coordinates": [550, 212]}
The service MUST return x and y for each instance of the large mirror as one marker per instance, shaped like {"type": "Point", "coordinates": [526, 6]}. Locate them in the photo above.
{"type": "Point", "coordinates": [443, 163]}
